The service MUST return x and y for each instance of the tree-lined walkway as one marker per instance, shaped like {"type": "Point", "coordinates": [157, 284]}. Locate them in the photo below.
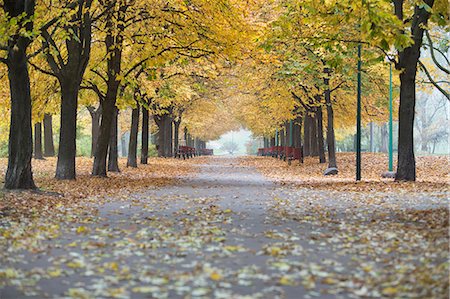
{"type": "Point", "coordinates": [229, 232]}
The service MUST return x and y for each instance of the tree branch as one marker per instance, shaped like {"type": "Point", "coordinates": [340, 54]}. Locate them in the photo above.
{"type": "Point", "coordinates": [446, 94]}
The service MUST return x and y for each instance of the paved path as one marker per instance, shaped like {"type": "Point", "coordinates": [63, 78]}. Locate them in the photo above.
{"type": "Point", "coordinates": [230, 233]}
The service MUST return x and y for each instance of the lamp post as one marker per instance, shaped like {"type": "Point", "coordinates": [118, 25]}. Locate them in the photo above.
{"type": "Point", "coordinates": [358, 119]}
{"type": "Point", "coordinates": [391, 146]}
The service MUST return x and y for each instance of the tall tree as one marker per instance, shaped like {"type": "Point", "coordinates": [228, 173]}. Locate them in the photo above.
{"type": "Point", "coordinates": [49, 146]}
{"type": "Point", "coordinates": [38, 141]}
{"type": "Point", "coordinates": [408, 59]}
{"type": "Point", "coordinates": [15, 43]}
{"type": "Point", "coordinates": [68, 61]}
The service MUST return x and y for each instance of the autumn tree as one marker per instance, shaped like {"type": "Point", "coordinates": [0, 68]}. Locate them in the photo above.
{"type": "Point", "coordinates": [16, 22]}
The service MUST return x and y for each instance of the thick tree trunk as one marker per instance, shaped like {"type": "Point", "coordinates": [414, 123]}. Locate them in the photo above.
{"type": "Point", "coordinates": [49, 146]}
{"type": "Point", "coordinates": [320, 142]}
{"type": "Point", "coordinates": [160, 140]}
{"type": "Point", "coordinates": [331, 140]}
{"type": "Point", "coordinates": [176, 125]}
{"type": "Point", "coordinates": [113, 43]}
{"type": "Point", "coordinates": [113, 153]}
{"type": "Point", "coordinates": [65, 168]}
{"type": "Point", "coordinates": [132, 146]}
{"type": "Point", "coordinates": [408, 60]}
{"type": "Point", "coordinates": [144, 137]}
{"type": "Point", "coordinates": [20, 147]}
{"type": "Point", "coordinates": [96, 115]}
{"type": "Point", "coordinates": [38, 141]}
{"type": "Point", "coordinates": [313, 136]}
{"type": "Point", "coordinates": [169, 137]}
{"type": "Point", "coordinates": [307, 135]}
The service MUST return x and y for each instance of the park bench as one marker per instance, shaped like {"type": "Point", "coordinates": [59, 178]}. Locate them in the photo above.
{"type": "Point", "coordinates": [286, 153]}
{"type": "Point", "coordinates": [185, 152]}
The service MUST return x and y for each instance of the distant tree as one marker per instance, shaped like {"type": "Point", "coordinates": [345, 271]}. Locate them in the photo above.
{"type": "Point", "coordinates": [230, 146]}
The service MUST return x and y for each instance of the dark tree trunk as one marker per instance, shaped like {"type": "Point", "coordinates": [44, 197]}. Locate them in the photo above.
{"type": "Point", "coordinates": [113, 153]}
{"type": "Point", "coordinates": [113, 43]}
{"type": "Point", "coordinates": [38, 141]}
{"type": "Point", "coordinates": [169, 137]}
{"type": "Point", "coordinates": [331, 140]}
{"type": "Point", "coordinates": [313, 136]}
{"type": "Point", "coordinates": [272, 141]}
{"type": "Point", "coordinates": [176, 125]}
{"type": "Point", "coordinates": [20, 147]}
{"type": "Point", "coordinates": [161, 135]}
{"type": "Point", "coordinates": [49, 146]}
{"type": "Point", "coordinates": [407, 62]}
{"type": "Point", "coordinates": [70, 74]}
{"type": "Point", "coordinates": [96, 115]}
{"type": "Point", "coordinates": [320, 143]}
{"type": "Point", "coordinates": [65, 168]}
{"type": "Point", "coordinates": [132, 146]}
{"type": "Point", "coordinates": [307, 135]}
{"type": "Point", "coordinates": [145, 132]}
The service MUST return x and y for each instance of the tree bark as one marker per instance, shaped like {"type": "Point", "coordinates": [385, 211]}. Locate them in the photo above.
{"type": "Point", "coordinates": [20, 147]}
{"type": "Point", "coordinates": [313, 136]}
{"type": "Point", "coordinates": [65, 168]}
{"type": "Point", "coordinates": [169, 136]}
{"type": "Point", "coordinates": [49, 146]}
{"type": "Point", "coordinates": [307, 135]}
{"type": "Point", "coordinates": [320, 142]}
{"type": "Point", "coordinates": [113, 156]}
{"type": "Point", "coordinates": [132, 146]}
{"type": "Point", "coordinates": [113, 42]}
{"type": "Point", "coordinates": [407, 62]}
{"type": "Point", "coordinates": [176, 125]}
{"type": "Point", "coordinates": [96, 115]}
{"type": "Point", "coordinates": [38, 141]}
{"type": "Point", "coordinates": [145, 136]}
{"type": "Point", "coordinates": [70, 74]}
{"type": "Point", "coordinates": [331, 139]}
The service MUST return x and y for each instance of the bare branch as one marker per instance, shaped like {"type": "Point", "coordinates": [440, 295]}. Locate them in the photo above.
{"type": "Point", "coordinates": [445, 93]}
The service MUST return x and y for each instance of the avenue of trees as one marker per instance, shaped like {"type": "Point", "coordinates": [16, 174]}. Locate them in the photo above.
{"type": "Point", "coordinates": [199, 68]}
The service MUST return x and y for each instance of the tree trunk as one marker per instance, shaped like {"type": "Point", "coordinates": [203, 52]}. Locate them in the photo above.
{"type": "Point", "coordinates": [113, 154]}
{"type": "Point", "coordinates": [144, 137]}
{"type": "Point", "coordinates": [407, 62]}
{"type": "Point", "coordinates": [307, 135]}
{"type": "Point", "coordinates": [331, 140]}
{"type": "Point", "coordinates": [160, 142]}
{"type": "Point", "coordinates": [49, 146]}
{"type": "Point", "coordinates": [65, 168]}
{"type": "Point", "coordinates": [113, 43]}
{"type": "Point", "coordinates": [38, 141]}
{"type": "Point", "coordinates": [169, 136]}
{"type": "Point", "coordinates": [132, 146]}
{"type": "Point", "coordinates": [313, 136]}
{"type": "Point", "coordinates": [320, 143]}
{"type": "Point", "coordinates": [96, 115]}
{"type": "Point", "coordinates": [176, 125]}
{"type": "Point", "coordinates": [371, 147]}
{"type": "Point", "coordinates": [20, 147]}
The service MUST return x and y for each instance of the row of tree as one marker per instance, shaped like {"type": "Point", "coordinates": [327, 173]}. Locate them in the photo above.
{"type": "Point", "coordinates": [111, 54]}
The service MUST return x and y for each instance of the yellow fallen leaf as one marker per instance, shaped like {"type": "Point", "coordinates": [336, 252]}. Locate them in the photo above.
{"type": "Point", "coordinates": [82, 230]}
{"type": "Point", "coordinates": [215, 276]}
{"type": "Point", "coordinates": [286, 281]}
{"type": "Point", "coordinates": [329, 280]}
{"type": "Point", "coordinates": [54, 272]}
{"type": "Point", "coordinates": [389, 291]}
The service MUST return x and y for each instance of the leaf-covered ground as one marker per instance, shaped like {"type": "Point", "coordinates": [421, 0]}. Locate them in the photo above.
{"type": "Point", "coordinates": [226, 231]}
